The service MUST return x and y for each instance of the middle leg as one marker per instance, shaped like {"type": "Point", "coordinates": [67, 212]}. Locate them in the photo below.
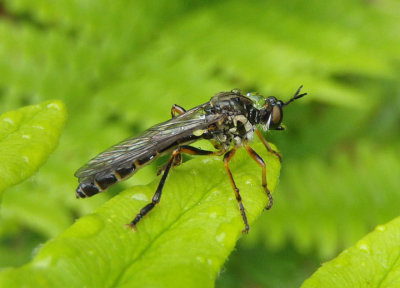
{"type": "Point", "coordinates": [227, 157]}
{"type": "Point", "coordinates": [270, 150]}
{"type": "Point", "coordinates": [261, 162]}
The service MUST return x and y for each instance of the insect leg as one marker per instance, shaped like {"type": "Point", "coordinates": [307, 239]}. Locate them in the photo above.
{"type": "Point", "coordinates": [191, 151]}
{"type": "Point", "coordinates": [227, 157]}
{"type": "Point", "coordinates": [196, 151]}
{"type": "Point", "coordinates": [270, 150]}
{"type": "Point", "coordinates": [157, 195]}
{"type": "Point", "coordinates": [177, 162]}
{"type": "Point", "coordinates": [177, 109]}
{"type": "Point", "coordinates": [261, 162]}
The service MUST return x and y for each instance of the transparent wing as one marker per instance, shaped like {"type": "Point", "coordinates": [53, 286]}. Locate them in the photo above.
{"type": "Point", "coordinates": [155, 139]}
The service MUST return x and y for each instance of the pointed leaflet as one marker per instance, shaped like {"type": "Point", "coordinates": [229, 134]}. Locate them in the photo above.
{"type": "Point", "coordinates": [27, 137]}
{"type": "Point", "coordinates": [373, 262]}
{"type": "Point", "coordinates": [182, 242]}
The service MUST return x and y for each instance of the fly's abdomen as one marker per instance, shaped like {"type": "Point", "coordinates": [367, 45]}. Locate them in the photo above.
{"type": "Point", "coordinates": [101, 181]}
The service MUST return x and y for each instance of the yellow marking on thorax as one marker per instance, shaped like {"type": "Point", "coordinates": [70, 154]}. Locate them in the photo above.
{"type": "Point", "coordinates": [198, 132]}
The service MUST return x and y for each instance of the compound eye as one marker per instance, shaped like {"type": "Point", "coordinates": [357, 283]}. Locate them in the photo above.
{"type": "Point", "coordinates": [276, 116]}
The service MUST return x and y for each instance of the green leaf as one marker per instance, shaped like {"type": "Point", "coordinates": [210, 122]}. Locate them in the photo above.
{"type": "Point", "coordinates": [27, 137]}
{"type": "Point", "coordinates": [323, 186]}
{"type": "Point", "coordinates": [128, 61]}
{"type": "Point", "coordinates": [373, 262]}
{"type": "Point", "coordinates": [181, 243]}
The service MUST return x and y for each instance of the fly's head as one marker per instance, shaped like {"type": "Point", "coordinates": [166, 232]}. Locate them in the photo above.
{"type": "Point", "coordinates": [271, 113]}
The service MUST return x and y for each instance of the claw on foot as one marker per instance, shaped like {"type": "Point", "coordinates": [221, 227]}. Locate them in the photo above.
{"type": "Point", "coordinates": [131, 226]}
{"type": "Point", "coordinates": [277, 154]}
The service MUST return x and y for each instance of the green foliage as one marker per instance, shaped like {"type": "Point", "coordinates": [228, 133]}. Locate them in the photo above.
{"type": "Point", "coordinates": [347, 207]}
{"type": "Point", "coordinates": [372, 262]}
{"type": "Point", "coordinates": [119, 66]}
{"type": "Point", "coordinates": [182, 243]}
{"type": "Point", "coordinates": [27, 137]}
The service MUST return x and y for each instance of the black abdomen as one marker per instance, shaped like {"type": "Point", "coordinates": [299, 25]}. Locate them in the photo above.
{"type": "Point", "coordinates": [91, 186]}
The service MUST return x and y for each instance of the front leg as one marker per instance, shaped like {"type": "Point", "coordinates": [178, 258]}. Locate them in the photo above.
{"type": "Point", "coordinates": [227, 157]}
{"type": "Point", "coordinates": [270, 150]}
{"type": "Point", "coordinates": [261, 162]}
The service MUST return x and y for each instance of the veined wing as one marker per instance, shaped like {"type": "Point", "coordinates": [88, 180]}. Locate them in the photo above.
{"type": "Point", "coordinates": [153, 140]}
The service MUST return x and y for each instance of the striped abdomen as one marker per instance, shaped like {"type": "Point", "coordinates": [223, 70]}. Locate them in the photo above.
{"type": "Point", "coordinates": [99, 182]}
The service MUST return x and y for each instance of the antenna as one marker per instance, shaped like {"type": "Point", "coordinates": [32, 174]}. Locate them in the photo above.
{"type": "Point", "coordinates": [296, 96]}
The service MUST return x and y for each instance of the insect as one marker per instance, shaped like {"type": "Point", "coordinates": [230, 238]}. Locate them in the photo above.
{"type": "Point", "coordinates": [229, 120]}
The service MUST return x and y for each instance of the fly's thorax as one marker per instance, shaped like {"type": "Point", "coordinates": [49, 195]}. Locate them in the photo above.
{"type": "Point", "coordinates": [234, 129]}
{"type": "Point", "coordinates": [239, 123]}
{"type": "Point", "coordinates": [242, 130]}
{"type": "Point", "coordinates": [231, 103]}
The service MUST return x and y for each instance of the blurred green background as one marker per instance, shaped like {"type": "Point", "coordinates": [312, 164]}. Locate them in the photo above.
{"type": "Point", "coordinates": [120, 65]}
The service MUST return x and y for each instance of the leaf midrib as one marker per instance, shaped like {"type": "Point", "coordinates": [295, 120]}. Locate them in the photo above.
{"type": "Point", "coordinates": [116, 283]}
{"type": "Point", "coordinates": [388, 270]}
{"type": "Point", "coordinates": [20, 125]}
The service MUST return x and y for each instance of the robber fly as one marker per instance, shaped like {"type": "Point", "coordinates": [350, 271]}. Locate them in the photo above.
{"type": "Point", "coordinates": [228, 120]}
